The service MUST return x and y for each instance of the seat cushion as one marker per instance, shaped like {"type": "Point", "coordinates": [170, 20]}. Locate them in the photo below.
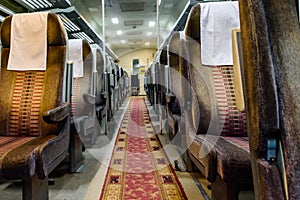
{"type": "Point", "coordinates": [229, 157]}
{"type": "Point", "coordinates": [16, 162]}
{"type": "Point", "coordinates": [203, 154]}
{"type": "Point", "coordinates": [234, 159]}
{"type": "Point", "coordinates": [174, 123]}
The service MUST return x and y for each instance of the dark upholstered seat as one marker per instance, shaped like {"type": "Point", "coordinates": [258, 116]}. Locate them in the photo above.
{"type": "Point", "coordinates": [270, 40]}
{"type": "Point", "coordinates": [160, 66]}
{"type": "Point", "coordinates": [100, 90]}
{"type": "Point", "coordinates": [147, 84]}
{"type": "Point", "coordinates": [123, 85]}
{"type": "Point", "coordinates": [175, 96]}
{"type": "Point", "coordinates": [150, 84]}
{"type": "Point", "coordinates": [83, 106]}
{"type": "Point", "coordinates": [119, 87]}
{"type": "Point", "coordinates": [115, 88]}
{"type": "Point", "coordinates": [34, 117]}
{"type": "Point", "coordinates": [161, 80]}
{"type": "Point", "coordinates": [110, 68]}
{"type": "Point", "coordinates": [216, 129]}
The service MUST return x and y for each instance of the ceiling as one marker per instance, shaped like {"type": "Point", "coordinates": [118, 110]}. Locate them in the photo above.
{"type": "Point", "coordinates": [132, 32]}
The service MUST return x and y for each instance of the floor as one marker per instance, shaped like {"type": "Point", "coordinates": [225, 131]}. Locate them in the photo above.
{"type": "Point", "coordinates": [87, 184]}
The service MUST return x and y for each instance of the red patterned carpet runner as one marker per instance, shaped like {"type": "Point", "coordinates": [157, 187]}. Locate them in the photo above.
{"type": "Point", "coordinates": [139, 168]}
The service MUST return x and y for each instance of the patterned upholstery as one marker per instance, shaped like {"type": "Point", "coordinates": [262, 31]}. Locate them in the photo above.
{"type": "Point", "coordinates": [270, 41]}
{"type": "Point", "coordinates": [34, 126]}
{"type": "Point", "coordinates": [232, 121]}
{"type": "Point", "coordinates": [218, 144]}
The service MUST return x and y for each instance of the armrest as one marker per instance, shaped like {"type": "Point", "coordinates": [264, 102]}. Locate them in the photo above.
{"type": "Point", "coordinates": [104, 95]}
{"type": "Point", "coordinates": [89, 99]}
{"type": "Point", "coordinates": [57, 114]}
{"type": "Point", "coordinates": [170, 98]}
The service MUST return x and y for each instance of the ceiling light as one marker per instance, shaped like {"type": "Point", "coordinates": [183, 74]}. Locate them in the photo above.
{"type": "Point", "coordinates": [119, 32]}
{"type": "Point", "coordinates": [115, 20]}
{"type": "Point", "coordinates": [159, 2]}
{"type": "Point", "coordinates": [123, 41]}
{"type": "Point", "coordinates": [151, 23]}
{"type": "Point", "coordinates": [147, 43]}
{"type": "Point", "coordinates": [149, 33]}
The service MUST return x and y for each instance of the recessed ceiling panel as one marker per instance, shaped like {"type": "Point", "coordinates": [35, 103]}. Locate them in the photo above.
{"type": "Point", "coordinates": [134, 33]}
{"type": "Point", "coordinates": [132, 7]}
{"type": "Point", "coordinates": [134, 22]}
{"type": "Point", "coordinates": [134, 40]}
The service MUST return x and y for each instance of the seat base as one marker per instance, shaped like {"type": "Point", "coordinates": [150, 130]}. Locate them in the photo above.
{"type": "Point", "coordinates": [35, 188]}
{"type": "Point", "coordinates": [224, 190]}
{"type": "Point", "coordinates": [76, 163]}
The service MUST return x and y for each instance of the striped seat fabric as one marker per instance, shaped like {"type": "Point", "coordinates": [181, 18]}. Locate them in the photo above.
{"type": "Point", "coordinates": [34, 125]}
{"type": "Point", "coordinates": [232, 121]}
{"type": "Point", "coordinates": [25, 108]}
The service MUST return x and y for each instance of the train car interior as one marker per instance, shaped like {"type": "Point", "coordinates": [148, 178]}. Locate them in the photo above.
{"type": "Point", "coordinates": [149, 99]}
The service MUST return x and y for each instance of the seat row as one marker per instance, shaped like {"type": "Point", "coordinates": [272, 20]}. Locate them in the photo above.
{"type": "Point", "coordinates": [56, 98]}
{"type": "Point", "coordinates": [204, 75]}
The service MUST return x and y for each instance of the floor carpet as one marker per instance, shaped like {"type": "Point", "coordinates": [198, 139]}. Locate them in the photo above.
{"type": "Point", "coordinates": [139, 167]}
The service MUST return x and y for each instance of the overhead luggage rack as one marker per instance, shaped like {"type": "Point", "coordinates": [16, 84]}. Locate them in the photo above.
{"type": "Point", "coordinates": [77, 27]}
{"type": "Point", "coordinates": [40, 5]}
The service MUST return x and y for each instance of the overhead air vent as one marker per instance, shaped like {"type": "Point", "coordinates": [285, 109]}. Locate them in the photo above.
{"type": "Point", "coordinates": [132, 7]}
{"type": "Point", "coordinates": [131, 33]}
{"type": "Point", "coordinates": [134, 22]}
{"type": "Point", "coordinates": [135, 46]}
{"type": "Point", "coordinates": [134, 40]}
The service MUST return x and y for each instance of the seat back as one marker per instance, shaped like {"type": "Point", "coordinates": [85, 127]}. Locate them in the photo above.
{"type": "Point", "coordinates": [176, 59]}
{"type": "Point", "coordinates": [161, 78]}
{"type": "Point", "coordinates": [100, 85]}
{"type": "Point", "coordinates": [212, 85]}
{"type": "Point", "coordinates": [82, 84]}
{"type": "Point", "coordinates": [270, 40]}
{"type": "Point", "coordinates": [26, 95]}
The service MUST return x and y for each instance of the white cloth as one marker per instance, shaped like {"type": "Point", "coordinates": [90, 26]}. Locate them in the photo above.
{"type": "Point", "coordinates": [76, 56]}
{"type": "Point", "coordinates": [94, 52]}
{"type": "Point", "coordinates": [28, 49]}
{"type": "Point", "coordinates": [182, 35]}
{"type": "Point", "coordinates": [217, 19]}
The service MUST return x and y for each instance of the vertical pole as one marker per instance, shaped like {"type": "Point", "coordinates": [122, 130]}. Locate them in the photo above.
{"type": "Point", "coordinates": [158, 63]}
{"type": "Point", "coordinates": [158, 24]}
{"type": "Point", "coordinates": [103, 32]}
{"type": "Point", "coordinates": [104, 62]}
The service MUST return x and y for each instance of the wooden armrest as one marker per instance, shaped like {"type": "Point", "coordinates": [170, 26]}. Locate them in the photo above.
{"type": "Point", "coordinates": [57, 114]}
{"type": "Point", "coordinates": [89, 99]}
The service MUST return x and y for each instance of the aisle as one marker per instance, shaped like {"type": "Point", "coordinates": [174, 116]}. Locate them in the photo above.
{"type": "Point", "coordinates": [139, 168]}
